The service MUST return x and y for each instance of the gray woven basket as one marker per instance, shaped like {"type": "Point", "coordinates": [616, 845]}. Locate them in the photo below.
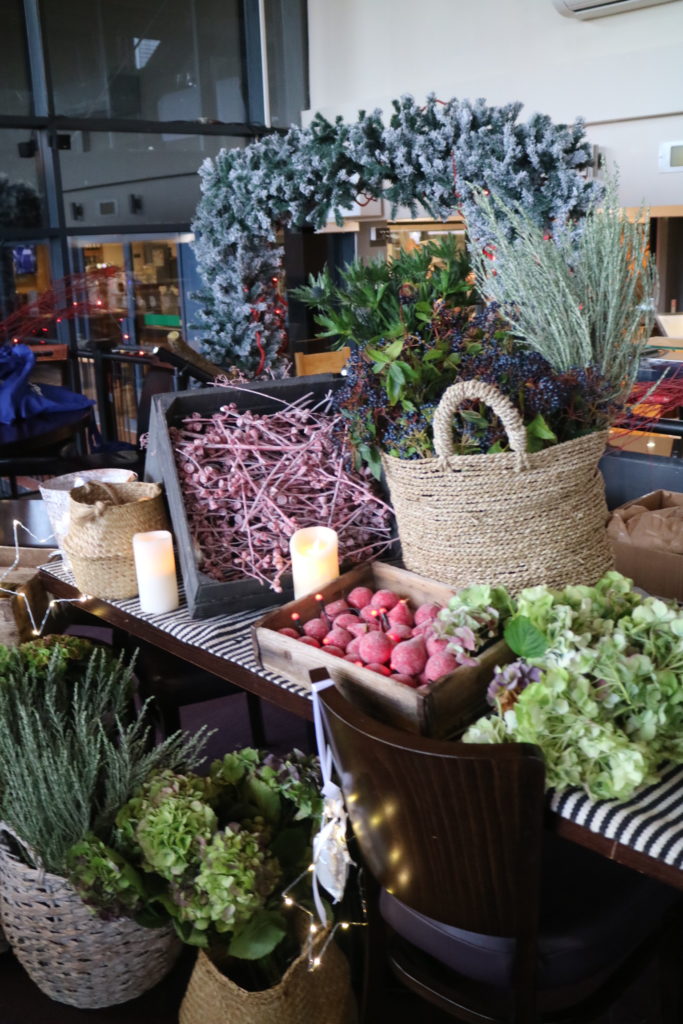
{"type": "Point", "coordinates": [70, 954]}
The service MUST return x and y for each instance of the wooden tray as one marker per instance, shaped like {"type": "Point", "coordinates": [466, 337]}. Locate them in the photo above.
{"type": "Point", "coordinates": [443, 708]}
{"type": "Point", "coordinates": [206, 596]}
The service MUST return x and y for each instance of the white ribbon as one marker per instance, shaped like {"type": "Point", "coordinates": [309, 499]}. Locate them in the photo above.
{"type": "Point", "coordinates": [331, 857]}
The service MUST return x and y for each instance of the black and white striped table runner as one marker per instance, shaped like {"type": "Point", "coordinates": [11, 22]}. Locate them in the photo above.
{"type": "Point", "coordinates": [226, 636]}
{"type": "Point", "coordinates": [650, 823]}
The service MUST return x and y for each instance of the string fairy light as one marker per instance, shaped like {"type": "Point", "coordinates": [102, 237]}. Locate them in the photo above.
{"type": "Point", "coordinates": [331, 859]}
{"type": "Point", "coordinates": [315, 928]}
{"type": "Point", "coordinates": [36, 626]}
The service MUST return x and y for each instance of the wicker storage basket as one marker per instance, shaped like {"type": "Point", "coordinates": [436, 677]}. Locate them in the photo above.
{"type": "Point", "coordinates": [55, 494]}
{"type": "Point", "coordinates": [99, 543]}
{"type": "Point", "coordinates": [512, 518]}
{"type": "Point", "coordinates": [69, 953]}
{"type": "Point", "coordinates": [302, 996]}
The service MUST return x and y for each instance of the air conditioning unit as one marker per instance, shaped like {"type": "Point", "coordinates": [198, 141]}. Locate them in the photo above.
{"type": "Point", "coordinates": [585, 9]}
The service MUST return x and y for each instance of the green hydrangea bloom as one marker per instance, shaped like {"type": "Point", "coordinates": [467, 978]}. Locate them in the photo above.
{"type": "Point", "coordinates": [104, 879]}
{"type": "Point", "coordinates": [236, 876]}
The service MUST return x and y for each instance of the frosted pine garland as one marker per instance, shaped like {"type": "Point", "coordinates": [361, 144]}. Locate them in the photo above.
{"type": "Point", "coordinates": [429, 155]}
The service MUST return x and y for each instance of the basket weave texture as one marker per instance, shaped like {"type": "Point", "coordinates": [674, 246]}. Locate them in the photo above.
{"type": "Point", "coordinates": [55, 494]}
{"type": "Point", "coordinates": [301, 996]}
{"type": "Point", "coordinates": [70, 954]}
{"type": "Point", "coordinates": [511, 518]}
{"type": "Point", "coordinates": [99, 544]}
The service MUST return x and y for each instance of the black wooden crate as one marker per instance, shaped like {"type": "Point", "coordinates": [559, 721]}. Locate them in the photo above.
{"type": "Point", "coordinates": [206, 596]}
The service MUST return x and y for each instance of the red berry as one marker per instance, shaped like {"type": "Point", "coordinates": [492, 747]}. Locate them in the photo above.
{"type": "Point", "coordinates": [406, 680]}
{"type": "Point", "coordinates": [409, 657]}
{"type": "Point", "coordinates": [345, 620]}
{"type": "Point", "coordinates": [398, 632]}
{"type": "Point", "coordinates": [352, 647]}
{"type": "Point", "coordinates": [435, 644]}
{"type": "Point", "coordinates": [375, 666]}
{"type": "Point", "coordinates": [333, 649]}
{"type": "Point", "coordinates": [338, 637]}
{"type": "Point", "coordinates": [369, 614]}
{"type": "Point", "coordinates": [375, 647]}
{"type": "Point", "coordinates": [426, 612]}
{"type": "Point", "coordinates": [402, 614]}
{"type": "Point", "coordinates": [439, 664]}
{"type": "Point", "coordinates": [359, 597]}
{"type": "Point", "coordinates": [335, 608]}
{"type": "Point", "coordinates": [317, 628]}
{"type": "Point", "coordinates": [385, 599]}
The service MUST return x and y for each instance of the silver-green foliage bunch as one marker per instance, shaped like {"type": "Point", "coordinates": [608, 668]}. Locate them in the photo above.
{"type": "Point", "coordinates": [582, 295]}
{"type": "Point", "coordinates": [72, 753]}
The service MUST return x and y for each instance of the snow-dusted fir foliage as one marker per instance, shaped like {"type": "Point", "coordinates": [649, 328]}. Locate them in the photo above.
{"type": "Point", "coordinates": [431, 154]}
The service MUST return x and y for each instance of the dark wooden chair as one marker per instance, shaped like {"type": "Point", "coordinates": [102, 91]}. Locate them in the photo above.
{"type": "Point", "coordinates": [490, 918]}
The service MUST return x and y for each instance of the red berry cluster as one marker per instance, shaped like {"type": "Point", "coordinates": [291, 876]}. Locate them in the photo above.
{"type": "Point", "coordinates": [378, 630]}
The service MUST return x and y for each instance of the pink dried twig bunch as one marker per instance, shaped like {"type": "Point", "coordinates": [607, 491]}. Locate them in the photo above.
{"type": "Point", "coordinates": [250, 480]}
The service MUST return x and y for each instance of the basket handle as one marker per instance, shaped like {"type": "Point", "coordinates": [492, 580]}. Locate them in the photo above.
{"type": "Point", "coordinates": [453, 398]}
{"type": "Point", "coordinates": [26, 848]}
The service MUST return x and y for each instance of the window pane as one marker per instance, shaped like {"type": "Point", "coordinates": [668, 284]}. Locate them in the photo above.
{"type": "Point", "coordinates": [114, 178]}
{"type": "Point", "coordinates": [162, 60]}
{"type": "Point", "coordinates": [24, 278]}
{"type": "Point", "coordinates": [20, 204]}
{"type": "Point", "coordinates": [287, 49]}
{"type": "Point", "coordinates": [15, 90]}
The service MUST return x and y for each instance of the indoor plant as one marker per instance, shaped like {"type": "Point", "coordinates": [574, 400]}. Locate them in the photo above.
{"type": "Point", "coordinates": [597, 685]}
{"type": "Point", "coordinates": [213, 855]}
{"type": "Point", "coordinates": [72, 751]}
{"type": "Point", "coordinates": [507, 490]}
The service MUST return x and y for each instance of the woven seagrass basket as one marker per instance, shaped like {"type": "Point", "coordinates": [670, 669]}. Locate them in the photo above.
{"type": "Point", "coordinates": [70, 954]}
{"type": "Point", "coordinates": [99, 544]}
{"type": "Point", "coordinates": [302, 996]}
{"type": "Point", "coordinates": [513, 518]}
{"type": "Point", "coordinates": [55, 494]}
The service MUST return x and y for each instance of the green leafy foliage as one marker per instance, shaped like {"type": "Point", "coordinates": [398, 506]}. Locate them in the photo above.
{"type": "Point", "coordinates": [381, 300]}
{"type": "Point", "coordinates": [604, 700]}
{"type": "Point", "coordinates": [524, 638]}
{"type": "Point", "coordinates": [212, 855]}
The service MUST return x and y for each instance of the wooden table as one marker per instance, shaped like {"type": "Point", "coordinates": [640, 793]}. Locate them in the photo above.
{"type": "Point", "coordinates": [644, 833]}
{"type": "Point", "coordinates": [221, 645]}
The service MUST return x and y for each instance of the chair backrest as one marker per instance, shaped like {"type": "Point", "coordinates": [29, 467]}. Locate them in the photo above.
{"type": "Point", "coordinates": [308, 363]}
{"type": "Point", "coordinates": [453, 830]}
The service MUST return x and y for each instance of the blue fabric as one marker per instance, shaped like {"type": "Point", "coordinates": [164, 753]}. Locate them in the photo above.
{"type": "Point", "coordinates": [20, 399]}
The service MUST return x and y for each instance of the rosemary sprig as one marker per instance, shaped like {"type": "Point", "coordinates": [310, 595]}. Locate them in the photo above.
{"type": "Point", "coordinates": [71, 753]}
{"type": "Point", "coordinates": [581, 295]}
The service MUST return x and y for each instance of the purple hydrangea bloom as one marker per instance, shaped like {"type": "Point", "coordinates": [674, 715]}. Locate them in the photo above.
{"type": "Point", "coordinates": [514, 677]}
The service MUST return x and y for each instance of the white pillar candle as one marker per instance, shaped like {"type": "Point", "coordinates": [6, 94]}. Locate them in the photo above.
{"type": "Point", "coordinates": [155, 570]}
{"type": "Point", "coordinates": [315, 559]}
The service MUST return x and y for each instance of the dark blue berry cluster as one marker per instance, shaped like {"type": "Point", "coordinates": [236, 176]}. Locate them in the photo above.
{"type": "Point", "coordinates": [467, 344]}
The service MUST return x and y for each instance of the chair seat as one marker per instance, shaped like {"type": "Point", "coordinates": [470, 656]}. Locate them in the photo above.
{"type": "Point", "coordinates": [594, 913]}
